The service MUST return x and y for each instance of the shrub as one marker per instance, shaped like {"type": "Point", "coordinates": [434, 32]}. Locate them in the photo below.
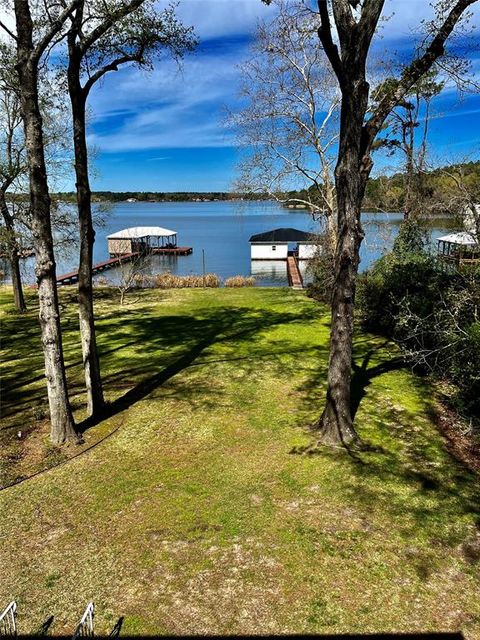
{"type": "Point", "coordinates": [240, 281]}
{"type": "Point", "coordinates": [432, 313]}
{"type": "Point", "coordinates": [393, 281]}
{"type": "Point", "coordinates": [321, 269]}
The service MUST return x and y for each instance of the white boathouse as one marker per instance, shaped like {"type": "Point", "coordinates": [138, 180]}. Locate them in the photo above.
{"type": "Point", "coordinates": [279, 244]}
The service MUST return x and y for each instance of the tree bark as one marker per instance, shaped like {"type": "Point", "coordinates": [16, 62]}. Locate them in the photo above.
{"type": "Point", "coordinates": [14, 259]}
{"type": "Point", "coordinates": [62, 424]}
{"type": "Point", "coordinates": [91, 363]}
{"type": "Point", "coordinates": [351, 174]}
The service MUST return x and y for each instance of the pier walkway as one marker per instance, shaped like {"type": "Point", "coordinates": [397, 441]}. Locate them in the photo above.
{"type": "Point", "coordinates": [72, 277]}
{"type": "Point", "coordinates": [295, 279]}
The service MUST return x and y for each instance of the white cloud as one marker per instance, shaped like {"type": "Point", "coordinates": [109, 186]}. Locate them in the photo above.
{"type": "Point", "coordinates": [172, 108]}
{"type": "Point", "coordinates": [221, 18]}
{"type": "Point", "coordinates": [166, 108]}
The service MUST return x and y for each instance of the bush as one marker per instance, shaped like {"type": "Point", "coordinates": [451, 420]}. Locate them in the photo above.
{"type": "Point", "coordinates": [321, 268]}
{"type": "Point", "coordinates": [432, 313]}
{"type": "Point", "coordinates": [240, 281]}
{"type": "Point", "coordinates": [394, 281]}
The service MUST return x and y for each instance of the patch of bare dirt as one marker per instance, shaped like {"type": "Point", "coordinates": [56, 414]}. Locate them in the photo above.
{"type": "Point", "coordinates": [463, 443]}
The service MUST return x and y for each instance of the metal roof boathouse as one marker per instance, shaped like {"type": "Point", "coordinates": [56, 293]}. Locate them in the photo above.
{"type": "Point", "coordinates": [460, 248]}
{"type": "Point", "coordinates": [128, 245]}
{"type": "Point", "coordinates": [278, 244]}
{"type": "Point", "coordinates": [287, 244]}
{"type": "Point", "coordinates": [145, 240]}
{"type": "Point", "coordinates": [463, 248]}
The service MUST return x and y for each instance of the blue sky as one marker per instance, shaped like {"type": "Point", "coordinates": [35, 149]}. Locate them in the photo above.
{"type": "Point", "coordinates": [165, 130]}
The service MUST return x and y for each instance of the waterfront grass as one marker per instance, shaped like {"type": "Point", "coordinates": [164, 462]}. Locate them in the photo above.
{"type": "Point", "coordinates": [204, 508]}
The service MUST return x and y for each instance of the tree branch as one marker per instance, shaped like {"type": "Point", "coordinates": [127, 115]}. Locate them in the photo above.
{"type": "Point", "coordinates": [325, 35]}
{"type": "Point", "coordinates": [104, 26]}
{"type": "Point", "coordinates": [368, 22]}
{"type": "Point", "coordinates": [112, 66]}
{"type": "Point", "coordinates": [54, 29]}
{"type": "Point", "coordinates": [412, 74]}
{"type": "Point", "coordinates": [7, 30]}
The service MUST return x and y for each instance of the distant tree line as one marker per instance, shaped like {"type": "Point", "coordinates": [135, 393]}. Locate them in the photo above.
{"type": "Point", "coordinates": [161, 196]}
{"type": "Point", "coordinates": [383, 193]}
{"type": "Point", "coordinates": [388, 193]}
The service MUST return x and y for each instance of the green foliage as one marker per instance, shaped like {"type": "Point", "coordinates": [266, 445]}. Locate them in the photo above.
{"type": "Point", "coordinates": [411, 239]}
{"type": "Point", "coordinates": [440, 186]}
{"type": "Point", "coordinates": [321, 268]}
{"type": "Point", "coordinates": [432, 313]}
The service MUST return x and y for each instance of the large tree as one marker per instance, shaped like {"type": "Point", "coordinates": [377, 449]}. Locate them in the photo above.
{"type": "Point", "coordinates": [101, 37]}
{"type": "Point", "coordinates": [32, 41]}
{"type": "Point", "coordinates": [15, 208]}
{"type": "Point", "coordinates": [346, 30]}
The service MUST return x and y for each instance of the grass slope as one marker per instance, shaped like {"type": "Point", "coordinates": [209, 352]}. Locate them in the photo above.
{"type": "Point", "coordinates": [199, 514]}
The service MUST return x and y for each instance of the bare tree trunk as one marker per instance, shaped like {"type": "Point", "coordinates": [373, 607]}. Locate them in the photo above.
{"type": "Point", "coordinates": [62, 424]}
{"type": "Point", "coordinates": [14, 259]}
{"type": "Point", "coordinates": [93, 380]}
{"type": "Point", "coordinates": [336, 423]}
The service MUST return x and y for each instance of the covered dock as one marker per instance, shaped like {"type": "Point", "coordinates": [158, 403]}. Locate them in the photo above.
{"type": "Point", "coordinates": [145, 240]}
{"type": "Point", "coordinates": [279, 244]}
{"type": "Point", "coordinates": [461, 248]}
{"type": "Point", "coordinates": [286, 244]}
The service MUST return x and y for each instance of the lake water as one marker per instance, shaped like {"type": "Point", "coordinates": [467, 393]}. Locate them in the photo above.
{"type": "Point", "coordinates": [222, 230]}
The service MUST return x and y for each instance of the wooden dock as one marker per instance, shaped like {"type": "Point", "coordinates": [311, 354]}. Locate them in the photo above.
{"type": "Point", "coordinates": [116, 261]}
{"type": "Point", "coordinates": [172, 251]}
{"type": "Point", "coordinates": [72, 277]}
{"type": "Point", "coordinates": [295, 279]}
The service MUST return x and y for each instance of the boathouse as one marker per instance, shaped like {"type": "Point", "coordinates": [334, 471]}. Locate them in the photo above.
{"type": "Point", "coordinates": [460, 248]}
{"type": "Point", "coordinates": [141, 240]}
{"type": "Point", "coordinates": [279, 244]}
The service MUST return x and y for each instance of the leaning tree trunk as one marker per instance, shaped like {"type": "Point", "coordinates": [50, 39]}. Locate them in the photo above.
{"type": "Point", "coordinates": [336, 423]}
{"type": "Point", "coordinates": [91, 364]}
{"type": "Point", "coordinates": [14, 259]}
{"type": "Point", "coordinates": [62, 424]}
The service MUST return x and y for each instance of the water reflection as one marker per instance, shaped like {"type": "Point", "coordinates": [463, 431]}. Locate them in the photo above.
{"type": "Point", "coordinates": [269, 272]}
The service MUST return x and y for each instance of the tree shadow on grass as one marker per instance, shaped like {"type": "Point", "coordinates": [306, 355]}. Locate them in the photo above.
{"type": "Point", "coordinates": [363, 374]}
{"type": "Point", "coordinates": [315, 384]}
{"type": "Point", "coordinates": [234, 333]}
{"type": "Point", "coordinates": [405, 469]}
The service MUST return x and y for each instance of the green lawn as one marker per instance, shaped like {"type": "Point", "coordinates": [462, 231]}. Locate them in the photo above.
{"type": "Point", "coordinates": [197, 511]}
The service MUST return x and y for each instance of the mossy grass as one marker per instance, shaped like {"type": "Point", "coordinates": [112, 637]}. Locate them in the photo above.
{"type": "Point", "coordinates": [205, 506]}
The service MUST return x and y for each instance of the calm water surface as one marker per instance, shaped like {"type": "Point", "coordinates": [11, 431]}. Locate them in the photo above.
{"type": "Point", "coordinates": [222, 230]}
